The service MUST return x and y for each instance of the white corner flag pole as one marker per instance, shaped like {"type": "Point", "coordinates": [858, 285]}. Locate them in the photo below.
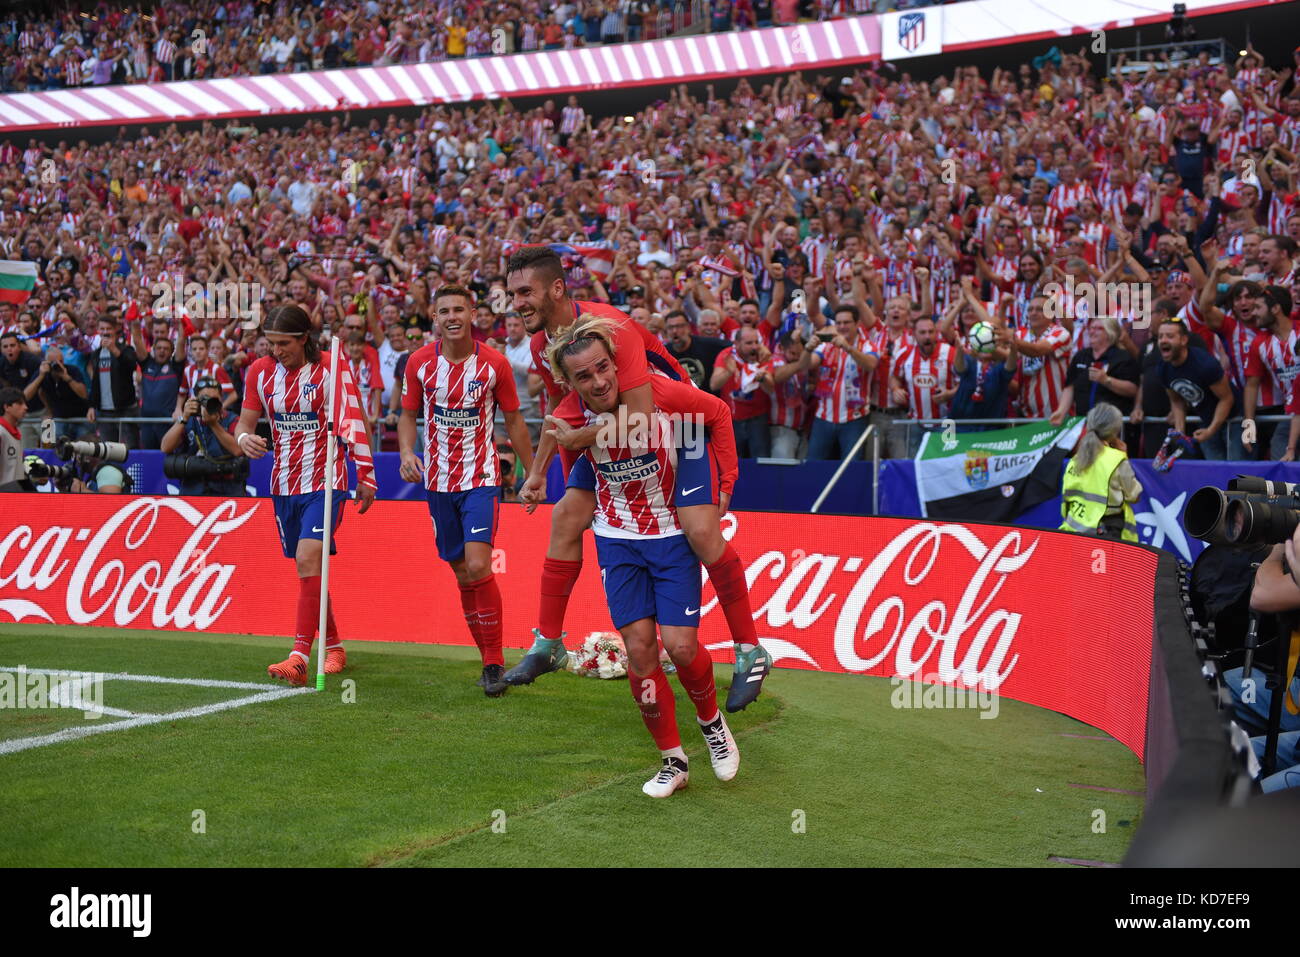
{"type": "Point", "coordinates": [329, 511]}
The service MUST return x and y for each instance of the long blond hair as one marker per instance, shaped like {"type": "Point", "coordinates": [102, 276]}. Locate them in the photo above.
{"type": "Point", "coordinates": [574, 338]}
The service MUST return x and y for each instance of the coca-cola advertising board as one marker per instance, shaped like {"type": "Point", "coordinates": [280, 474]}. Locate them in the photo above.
{"type": "Point", "coordinates": [1044, 617]}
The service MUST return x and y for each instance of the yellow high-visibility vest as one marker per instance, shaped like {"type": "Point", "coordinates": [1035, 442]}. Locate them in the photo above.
{"type": "Point", "coordinates": [1085, 495]}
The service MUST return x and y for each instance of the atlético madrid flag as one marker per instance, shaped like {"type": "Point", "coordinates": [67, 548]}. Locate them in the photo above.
{"type": "Point", "coordinates": [992, 476]}
{"type": "Point", "coordinates": [17, 280]}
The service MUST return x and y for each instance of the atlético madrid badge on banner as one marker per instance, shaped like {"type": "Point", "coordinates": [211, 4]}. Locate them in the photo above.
{"type": "Point", "coordinates": [915, 33]}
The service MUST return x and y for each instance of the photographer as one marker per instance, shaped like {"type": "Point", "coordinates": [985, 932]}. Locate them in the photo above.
{"type": "Point", "coordinates": [65, 390]}
{"type": "Point", "coordinates": [205, 432]}
{"type": "Point", "coordinates": [1276, 591]}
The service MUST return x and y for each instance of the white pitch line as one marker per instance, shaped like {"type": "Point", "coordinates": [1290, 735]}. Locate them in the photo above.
{"type": "Point", "coordinates": [149, 679]}
{"type": "Point", "coordinates": [72, 734]}
{"type": "Point", "coordinates": [68, 694]}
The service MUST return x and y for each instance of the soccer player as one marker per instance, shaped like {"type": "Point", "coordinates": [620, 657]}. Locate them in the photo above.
{"type": "Point", "coordinates": [459, 384]}
{"type": "Point", "coordinates": [649, 572]}
{"type": "Point", "coordinates": [290, 386]}
{"type": "Point", "coordinates": [535, 280]}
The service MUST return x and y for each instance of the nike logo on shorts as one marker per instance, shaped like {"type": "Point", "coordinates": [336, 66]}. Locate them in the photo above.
{"type": "Point", "coordinates": [692, 611]}
{"type": "Point", "coordinates": [688, 491]}
{"type": "Point", "coordinates": [321, 530]}
{"type": "Point", "coordinates": [475, 530]}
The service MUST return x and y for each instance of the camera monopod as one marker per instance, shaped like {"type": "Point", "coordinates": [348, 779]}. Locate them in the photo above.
{"type": "Point", "coordinates": [1288, 649]}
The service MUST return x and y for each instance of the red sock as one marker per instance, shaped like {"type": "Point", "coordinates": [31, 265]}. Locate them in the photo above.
{"type": "Point", "coordinates": [558, 578]}
{"type": "Point", "coordinates": [308, 614]}
{"type": "Point", "coordinates": [654, 696]}
{"type": "Point", "coordinates": [469, 604]}
{"type": "Point", "coordinates": [697, 679]}
{"type": "Point", "coordinates": [489, 619]}
{"type": "Point", "coordinates": [331, 629]}
{"type": "Point", "coordinates": [728, 577]}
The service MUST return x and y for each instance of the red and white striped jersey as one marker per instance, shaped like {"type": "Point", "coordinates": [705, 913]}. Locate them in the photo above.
{"type": "Point", "coordinates": [1042, 239]}
{"type": "Point", "coordinates": [816, 248]}
{"type": "Point", "coordinates": [211, 370]}
{"type": "Point", "coordinates": [296, 404]}
{"type": "Point", "coordinates": [1232, 142]}
{"type": "Point", "coordinates": [843, 387]}
{"type": "Point", "coordinates": [368, 377]}
{"type": "Point", "coordinates": [925, 377]}
{"type": "Point", "coordinates": [1064, 198]}
{"type": "Point", "coordinates": [164, 51]}
{"type": "Point", "coordinates": [459, 401]}
{"type": "Point", "coordinates": [1279, 209]}
{"type": "Point", "coordinates": [899, 279]}
{"type": "Point", "coordinates": [889, 348]}
{"type": "Point", "coordinates": [1042, 378]}
{"type": "Point", "coordinates": [1237, 338]}
{"type": "Point", "coordinates": [1195, 319]}
{"type": "Point", "coordinates": [1005, 267]}
{"type": "Point", "coordinates": [1274, 361]}
{"type": "Point", "coordinates": [789, 398]}
{"type": "Point", "coordinates": [634, 492]}
{"type": "Point", "coordinates": [571, 119]}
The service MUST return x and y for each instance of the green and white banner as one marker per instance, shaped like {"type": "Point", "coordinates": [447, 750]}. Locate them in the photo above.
{"type": "Point", "coordinates": [992, 476]}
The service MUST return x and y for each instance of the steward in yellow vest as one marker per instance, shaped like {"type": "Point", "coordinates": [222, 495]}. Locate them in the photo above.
{"type": "Point", "coordinates": [1096, 499]}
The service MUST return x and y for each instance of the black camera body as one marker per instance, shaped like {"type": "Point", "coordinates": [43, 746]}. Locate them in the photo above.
{"type": "Point", "coordinates": [1252, 511]}
{"type": "Point", "coordinates": [61, 475]}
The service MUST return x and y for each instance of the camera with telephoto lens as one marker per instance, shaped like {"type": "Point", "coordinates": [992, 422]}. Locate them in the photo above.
{"type": "Point", "coordinates": [78, 458]}
{"type": "Point", "coordinates": [202, 468]}
{"type": "Point", "coordinates": [212, 405]}
{"type": "Point", "coordinates": [38, 470]}
{"type": "Point", "coordinates": [92, 449]}
{"type": "Point", "coordinates": [1251, 511]}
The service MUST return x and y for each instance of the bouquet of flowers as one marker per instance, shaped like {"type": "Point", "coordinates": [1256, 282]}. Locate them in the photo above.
{"type": "Point", "coordinates": [601, 655]}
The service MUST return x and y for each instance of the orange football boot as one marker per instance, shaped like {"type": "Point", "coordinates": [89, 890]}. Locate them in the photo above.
{"type": "Point", "coordinates": [293, 670]}
{"type": "Point", "coordinates": [336, 659]}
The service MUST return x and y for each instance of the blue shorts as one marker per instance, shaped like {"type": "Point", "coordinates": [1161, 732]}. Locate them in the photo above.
{"type": "Point", "coordinates": [696, 483]}
{"type": "Point", "coordinates": [460, 517]}
{"type": "Point", "coordinates": [655, 578]}
{"type": "Point", "coordinates": [301, 517]}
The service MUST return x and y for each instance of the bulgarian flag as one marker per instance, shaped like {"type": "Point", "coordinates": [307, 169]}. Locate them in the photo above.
{"type": "Point", "coordinates": [17, 280]}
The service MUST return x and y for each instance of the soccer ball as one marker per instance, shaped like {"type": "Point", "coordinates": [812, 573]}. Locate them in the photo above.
{"type": "Point", "coordinates": [981, 339]}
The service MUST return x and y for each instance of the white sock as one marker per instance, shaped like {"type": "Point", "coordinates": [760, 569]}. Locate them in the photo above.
{"type": "Point", "coordinates": [300, 655]}
{"type": "Point", "coordinates": [703, 723]}
{"type": "Point", "coordinates": [745, 646]}
{"type": "Point", "coordinates": [676, 752]}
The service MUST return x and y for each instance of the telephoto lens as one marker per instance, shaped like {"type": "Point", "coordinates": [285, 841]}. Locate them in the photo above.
{"type": "Point", "coordinates": [1206, 514]}
{"type": "Point", "coordinates": [212, 405]}
{"type": "Point", "coordinates": [104, 451]}
{"type": "Point", "coordinates": [1255, 520]}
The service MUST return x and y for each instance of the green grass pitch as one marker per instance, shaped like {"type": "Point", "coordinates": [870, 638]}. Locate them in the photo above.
{"type": "Point", "coordinates": [423, 770]}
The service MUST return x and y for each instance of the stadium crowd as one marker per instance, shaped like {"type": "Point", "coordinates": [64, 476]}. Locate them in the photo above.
{"type": "Point", "coordinates": [814, 250]}
{"type": "Point", "coordinates": [105, 44]}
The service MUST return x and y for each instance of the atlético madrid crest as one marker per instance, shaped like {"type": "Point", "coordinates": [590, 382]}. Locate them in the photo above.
{"type": "Point", "coordinates": [911, 31]}
{"type": "Point", "coordinates": [474, 389]}
{"type": "Point", "coordinates": [977, 470]}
